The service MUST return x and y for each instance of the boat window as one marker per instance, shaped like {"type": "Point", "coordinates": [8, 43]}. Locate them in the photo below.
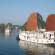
{"type": "Point", "coordinates": [43, 36]}
{"type": "Point", "coordinates": [27, 37]}
{"type": "Point", "coordinates": [54, 39]}
{"type": "Point", "coordinates": [24, 36]}
{"type": "Point", "coordinates": [49, 36]}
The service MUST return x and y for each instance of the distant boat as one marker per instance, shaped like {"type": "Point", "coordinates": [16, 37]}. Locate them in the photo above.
{"type": "Point", "coordinates": [7, 30]}
{"type": "Point", "coordinates": [17, 29]}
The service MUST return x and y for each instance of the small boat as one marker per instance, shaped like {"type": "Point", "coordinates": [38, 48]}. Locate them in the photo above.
{"type": "Point", "coordinates": [7, 30]}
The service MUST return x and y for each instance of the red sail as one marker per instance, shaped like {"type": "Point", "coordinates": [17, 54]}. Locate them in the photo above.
{"type": "Point", "coordinates": [50, 23]}
{"type": "Point", "coordinates": [31, 24]}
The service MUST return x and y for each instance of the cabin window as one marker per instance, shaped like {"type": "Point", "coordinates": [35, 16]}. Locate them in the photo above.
{"type": "Point", "coordinates": [54, 39]}
{"type": "Point", "coordinates": [49, 36]}
{"type": "Point", "coordinates": [43, 36]}
{"type": "Point", "coordinates": [24, 36]}
{"type": "Point", "coordinates": [27, 37]}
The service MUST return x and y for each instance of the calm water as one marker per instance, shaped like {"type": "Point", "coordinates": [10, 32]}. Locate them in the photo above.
{"type": "Point", "coordinates": [10, 46]}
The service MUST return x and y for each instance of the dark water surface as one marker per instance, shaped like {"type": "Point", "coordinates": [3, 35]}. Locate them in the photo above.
{"type": "Point", "coordinates": [10, 46]}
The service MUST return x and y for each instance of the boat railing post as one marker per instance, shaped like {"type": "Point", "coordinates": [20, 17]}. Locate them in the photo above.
{"type": "Point", "coordinates": [38, 37]}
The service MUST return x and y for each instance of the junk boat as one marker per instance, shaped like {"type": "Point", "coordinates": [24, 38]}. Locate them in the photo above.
{"type": "Point", "coordinates": [35, 31]}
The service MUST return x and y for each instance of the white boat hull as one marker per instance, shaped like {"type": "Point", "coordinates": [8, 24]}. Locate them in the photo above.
{"type": "Point", "coordinates": [37, 37]}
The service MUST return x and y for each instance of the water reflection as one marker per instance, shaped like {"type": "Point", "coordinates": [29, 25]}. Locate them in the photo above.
{"type": "Point", "coordinates": [7, 35]}
{"type": "Point", "coordinates": [36, 49]}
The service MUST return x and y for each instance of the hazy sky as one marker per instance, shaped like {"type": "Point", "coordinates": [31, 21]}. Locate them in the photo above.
{"type": "Point", "coordinates": [17, 11]}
